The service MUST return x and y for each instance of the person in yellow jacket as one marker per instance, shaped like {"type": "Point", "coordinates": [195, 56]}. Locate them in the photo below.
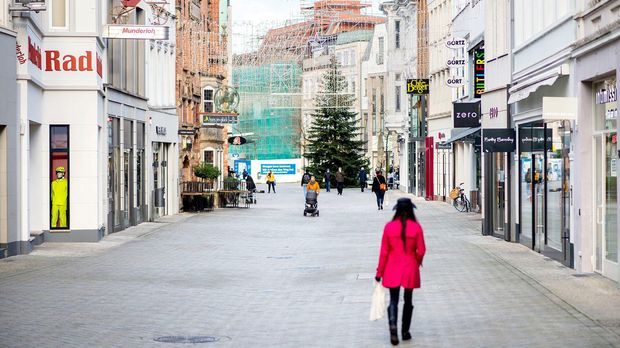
{"type": "Point", "coordinates": [313, 185]}
{"type": "Point", "coordinates": [60, 196]}
{"type": "Point", "coordinates": [271, 182]}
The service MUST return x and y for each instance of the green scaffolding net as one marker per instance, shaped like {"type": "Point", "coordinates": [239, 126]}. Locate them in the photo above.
{"type": "Point", "coordinates": [269, 109]}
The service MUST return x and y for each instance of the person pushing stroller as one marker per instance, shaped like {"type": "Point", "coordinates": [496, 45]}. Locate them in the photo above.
{"type": "Point", "coordinates": [313, 189]}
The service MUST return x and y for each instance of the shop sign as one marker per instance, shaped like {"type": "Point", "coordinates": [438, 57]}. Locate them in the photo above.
{"type": "Point", "coordinates": [466, 115]}
{"type": "Point", "coordinates": [499, 140]}
{"type": "Point", "coordinates": [479, 84]}
{"type": "Point", "coordinates": [237, 140]}
{"type": "Point", "coordinates": [493, 112]}
{"type": "Point", "coordinates": [161, 130]}
{"type": "Point", "coordinates": [56, 61]}
{"type": "Point", "coordinates": [136, 32]}
{"type": "Point", "coordinates": [186, 132]}
{"type": "Point", "coordinates": [418, 86]}
{"type": "Point", "coordinates": [607, 95]}
{"type": "Point", "coordinates": [455, 81]}
{"type": "Point", "coordinates": [218, 118]}
{"type": "Point", "coordinates": [559, 108]}
{"type": "Point", "coordinates": [456, 62]}
{"type": "Point", "coordinates": [443, 146]}
{"type": "Point", "coordinates": [281, 169]}
{"type": "Point", "coordinates": [455, 42]}
{"type": "Point", "coordinates": [34, 54]}
{"type": "Point", "coordinates": [21, 57]}
{"type": "Point", "coordinates": [533, 139]}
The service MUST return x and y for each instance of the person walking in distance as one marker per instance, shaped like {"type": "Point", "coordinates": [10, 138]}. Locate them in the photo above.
{"type": "Point", "coordinates": [362, 178]}
{"type": "Point", "coordinates": [379, 186]}
{"type": "Point", "coordinates": [328, 180]}
{"type": "Point", "coordinates": [271, 182]}
{"type": "Point", "coordinates": [402, 253]}
{"type": "Point", "coordinates": [340, 181]}
{"type": "Point", "coordinates": [305, 179]}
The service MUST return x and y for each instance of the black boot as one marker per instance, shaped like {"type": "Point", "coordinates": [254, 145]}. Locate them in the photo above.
{"type": "Point", "coordinates": [407, 314]}
{"type": "Point", "coordinates": [393, 320]}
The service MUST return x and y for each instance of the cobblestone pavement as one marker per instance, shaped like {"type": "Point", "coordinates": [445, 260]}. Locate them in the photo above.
{"type": "Point", "coordinates": [268, 277]}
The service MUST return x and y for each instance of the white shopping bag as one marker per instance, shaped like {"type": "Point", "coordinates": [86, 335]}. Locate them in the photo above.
{"type": "Point", "coordinates": [377, 306]}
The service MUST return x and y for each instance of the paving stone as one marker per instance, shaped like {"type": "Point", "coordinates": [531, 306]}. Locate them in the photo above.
{"type": "Point", "coordinates": [268, 277]}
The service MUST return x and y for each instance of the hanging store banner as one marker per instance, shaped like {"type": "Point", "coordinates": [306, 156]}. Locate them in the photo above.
{"type": "Point", "coordinates": [237, 140]}
{"type": "Point", "coordinates": [187, 132]}
{"type": "Point", "coordinates": [479, 64]}
{"type": "Point", "coordinates": [466, 115]}
{"type": "Point", "coordinates": [418, 86]}
{"type": "Point", "coordinates": [219, 118]}
{"type": "Point", "coordinates": [499, 140]}
{"type": "Point", "coordinates": [136, 32]}
{"type": "Point", "coordinates": [533, 139]}
{"type": "Point", "coordinates": [456, 62]}
{"type": "Point", "coordinates": [455, 42]}
{"type": "Point", "coordinates": [455, 81]}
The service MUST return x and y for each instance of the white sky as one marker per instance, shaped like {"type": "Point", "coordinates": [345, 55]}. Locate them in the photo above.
{"type": "Point", "coordinates": [264, 13]}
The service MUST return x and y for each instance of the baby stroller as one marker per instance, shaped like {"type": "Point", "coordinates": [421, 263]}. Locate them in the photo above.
{"type": "Point", "coordinates": [312, 205]}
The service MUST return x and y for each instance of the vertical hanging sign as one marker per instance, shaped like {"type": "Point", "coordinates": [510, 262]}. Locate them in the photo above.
{"type": "Point", "coordinates": [479, 84]}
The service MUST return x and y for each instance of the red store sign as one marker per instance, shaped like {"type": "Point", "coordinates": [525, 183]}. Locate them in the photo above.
{"type": "Point", "coordinates": [56, 61]}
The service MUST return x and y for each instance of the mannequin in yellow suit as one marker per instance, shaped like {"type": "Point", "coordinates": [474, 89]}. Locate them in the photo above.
{"type": "Point", "coordinates": [60, 194]}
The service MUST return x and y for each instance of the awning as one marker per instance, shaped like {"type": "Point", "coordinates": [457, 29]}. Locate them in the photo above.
{"type": "Point", "coordinates": [525, 92]}
{"type": "Point", "coordinates": [461, 134]}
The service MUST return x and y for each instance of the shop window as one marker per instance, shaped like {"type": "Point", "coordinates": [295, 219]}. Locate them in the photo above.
{"type": "Point", "coordinates": [397, 34]}
{"type": "Point", "coordinates": [397, 95]}
{"type": "Point", "coordinates": [59, 177]}
{"type": "Point", "coordinates": [59, 12]}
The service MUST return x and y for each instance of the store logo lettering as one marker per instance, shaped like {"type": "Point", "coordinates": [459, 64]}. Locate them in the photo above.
{"type": "Point", "coordinates": [69, 62]}
{"type": "Point", "coordinates": [494, 112]}
{"type": "Point", "coordinates": [34, 54]}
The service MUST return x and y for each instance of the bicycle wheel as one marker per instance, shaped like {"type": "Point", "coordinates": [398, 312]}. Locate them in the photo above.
{"type": "Point", "coordinates": [460, 205]}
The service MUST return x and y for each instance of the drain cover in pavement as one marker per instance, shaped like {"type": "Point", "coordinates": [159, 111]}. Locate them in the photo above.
{"type": "Point", "coordinates": [187, 339]}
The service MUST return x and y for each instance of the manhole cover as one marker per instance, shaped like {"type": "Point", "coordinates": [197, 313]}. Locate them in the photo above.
{"type": "Point", "coordinates": [187, 339]}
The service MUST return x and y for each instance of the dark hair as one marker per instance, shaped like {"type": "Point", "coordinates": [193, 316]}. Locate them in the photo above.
{"type": "Point", "coordinates": [404, 213]}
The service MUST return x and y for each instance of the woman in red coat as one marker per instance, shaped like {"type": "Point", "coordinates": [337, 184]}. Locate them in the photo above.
{"type": "Point", "coordinates": [402, 252]}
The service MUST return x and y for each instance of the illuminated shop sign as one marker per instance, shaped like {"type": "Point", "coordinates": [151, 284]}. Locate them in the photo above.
{"type": "Point", "coordinates": [418, 86]}
{"type": "Point", "coordinates": [466, 115]}
{"type": "Point", "coordinates": [478, 72]}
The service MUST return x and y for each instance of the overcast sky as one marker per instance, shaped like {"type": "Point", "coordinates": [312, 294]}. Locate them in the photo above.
{"type": "Point", "coordinates": [264, 13]}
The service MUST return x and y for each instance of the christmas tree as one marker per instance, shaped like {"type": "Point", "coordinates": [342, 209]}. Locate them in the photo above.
{"type": "Point", "coordinates": [333, 139]}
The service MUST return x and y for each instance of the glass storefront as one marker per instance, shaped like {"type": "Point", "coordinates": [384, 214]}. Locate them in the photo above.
{"type": "Point", "coordinates": [114, 179]}
{"type": "Point", "coordinates": [544, 188]}
{"type": "Point", "coordinates": [499, 193]}
{"type": "Point", "coordinates": [59, 178]}
{"type": "Point", "coordinates": [605, 174]}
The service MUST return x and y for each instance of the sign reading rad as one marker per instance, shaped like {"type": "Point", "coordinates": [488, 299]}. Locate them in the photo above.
{"type": "Point", "coordinates": [55, 60]}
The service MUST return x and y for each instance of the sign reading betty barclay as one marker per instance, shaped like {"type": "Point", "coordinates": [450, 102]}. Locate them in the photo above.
{"type": "Point", "coordinates": [466, 115]}
{"type": "Point", "coordinates": [499, 140]}
{"type": "Point", "coordinates": [418, 86]}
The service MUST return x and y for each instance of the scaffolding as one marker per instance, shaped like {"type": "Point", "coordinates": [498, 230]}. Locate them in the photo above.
{"type": "Point", "coordinates": [268, 73]}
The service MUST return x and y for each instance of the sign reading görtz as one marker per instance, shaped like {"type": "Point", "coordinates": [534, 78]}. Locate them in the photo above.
{"type": "Point", "coordinates": [466, 115]}
{"type": "Point", "coordinates": [499, 140]}
{"type": "Point", "coordinates": [138, 32]}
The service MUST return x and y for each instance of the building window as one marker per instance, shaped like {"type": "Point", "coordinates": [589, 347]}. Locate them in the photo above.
{"type": "Point", "coordinates": [208, 99]}
{"type": "Point", "coordinates": [397, 98]}
{"type": "Point", "coordinates": [59, 177]}
{"type": "Point", "coordinates": [209, 156]}
{"type": "Point", "coordinates": [353, 86]}
{"type": "Point", "coordinates": [59, 13]}
{"type": "Point", "coordinates": [397, 34]}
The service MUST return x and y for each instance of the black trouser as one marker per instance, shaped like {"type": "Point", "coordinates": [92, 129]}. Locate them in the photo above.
{"type": "Point", "coordinates": [340, 186]}
{"type": "Point", "coordinates": [362, 185]}
{"type": "Point", "coordinates": [270, 185]}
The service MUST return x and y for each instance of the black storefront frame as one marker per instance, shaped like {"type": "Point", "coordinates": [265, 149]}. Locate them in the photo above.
{"type": "Point", "coordinates": [565, 256]}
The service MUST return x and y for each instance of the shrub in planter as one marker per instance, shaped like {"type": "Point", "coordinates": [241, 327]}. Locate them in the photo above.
{"type": "Point", "coordinates": [207, 171]}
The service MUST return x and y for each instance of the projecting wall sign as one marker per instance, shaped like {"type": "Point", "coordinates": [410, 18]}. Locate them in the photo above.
{"type": "Point", "coordinates": [455, 42]}
{"type": "Point", "coordinates": [138, 32]}
{"type": "Point", "coordinates": [455, 81]}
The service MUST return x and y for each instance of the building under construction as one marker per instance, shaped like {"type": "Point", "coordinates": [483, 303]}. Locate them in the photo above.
{"type": "Point", "coordinates": [269, 78]}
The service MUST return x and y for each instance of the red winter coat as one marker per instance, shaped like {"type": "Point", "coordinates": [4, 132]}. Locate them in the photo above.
{"type": "Point", "coordinates": [397, 266]}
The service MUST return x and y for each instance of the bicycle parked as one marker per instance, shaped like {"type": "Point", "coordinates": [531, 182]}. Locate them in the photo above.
{"type": "Point", "coordinates": [460, 200]}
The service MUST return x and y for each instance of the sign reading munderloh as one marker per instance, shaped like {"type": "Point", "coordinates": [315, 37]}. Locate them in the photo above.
{"type": "Point", "coordinates": [136, 32]}
{"type": "Point", "coordinates": [499, 140]}
{"type": "Point", "coordinates": [479, 84]}
{"type": "Point", "coordinates": [466, 115]}
{"type": "Point", "coordinates": [418, 86]}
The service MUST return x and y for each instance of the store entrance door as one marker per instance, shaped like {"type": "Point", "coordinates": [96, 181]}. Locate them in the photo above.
{"type": "Point", "coordinates": [606, 230]}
